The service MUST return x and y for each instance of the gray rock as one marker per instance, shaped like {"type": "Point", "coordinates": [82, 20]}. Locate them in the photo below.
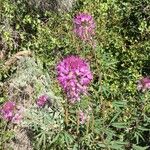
{"type": "Point", "coordinates": [65, 5]}
{"type": "Point", "coordinates": [21, 140]}
{"type": "Point", "coordinates": [24, 86]}
{"type": "Point", "coordinates": [29, 81]}
{"type": "Point", "coordinates": [48, 5]}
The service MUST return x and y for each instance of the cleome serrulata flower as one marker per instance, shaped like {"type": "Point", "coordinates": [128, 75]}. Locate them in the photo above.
{"type": "Point", "coordinates": [74, 76]}
{"type": "Point", "coordinates": [11, 112]}
{"type": "Point", "coordinates": [82, 117]}
{"type": "Point", "coordinates": [42, 100]}
{"type": "Point", "coordinates": [84, 26]}
{"type": "Point", "coordinates": [144, 84]}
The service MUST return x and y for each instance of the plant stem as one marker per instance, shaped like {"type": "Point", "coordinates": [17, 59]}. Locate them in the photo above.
{"type": "Point", "coordinates": [78, 122]}
{"type": "Point", "coordinates": [98, 65]}
{"type": "Point", "coordinates": [66, 114]}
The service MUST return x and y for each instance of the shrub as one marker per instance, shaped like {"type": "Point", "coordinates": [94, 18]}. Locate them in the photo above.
{"type": "Point", "coordinates": [114, 114]}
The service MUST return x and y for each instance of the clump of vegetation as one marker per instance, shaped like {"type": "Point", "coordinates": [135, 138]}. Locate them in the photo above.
{"type": "Point", "coordinates": [98, 102]}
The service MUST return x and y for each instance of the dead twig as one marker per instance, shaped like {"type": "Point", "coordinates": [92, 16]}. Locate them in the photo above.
{"type": "Point", "coordinates": [16, 57]}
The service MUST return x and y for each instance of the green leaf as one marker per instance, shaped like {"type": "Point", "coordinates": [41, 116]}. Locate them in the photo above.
{"type": "Point", "coordinates": [120, 125]}
{"type": "Point", "coordinates": [75, 147]}
{"type": "Point", "coordinates": [119, 104]}
{"type": "Point", "coordinates": [115, 117]}
{"type": "Point", "coordinates": [135, 147]}
{"type": "Point", "coordinates": [118, 145]}
{"type": "Point", "coordinates": [143, 129]}
{"type": "Point", "coordinates": [55, 139]}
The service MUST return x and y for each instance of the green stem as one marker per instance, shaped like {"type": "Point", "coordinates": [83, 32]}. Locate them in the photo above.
{"type": "Point", "coordinates": [78, 122]}
{"type": "Point", "coordinates": [98, 65]}
{"type": "Point", "coordinates": [66, 114]}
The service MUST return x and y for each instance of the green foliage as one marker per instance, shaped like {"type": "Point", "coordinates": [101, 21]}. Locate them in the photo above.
{"type": "Point", "coordinates": [120, 115]}
{"type": "Point", "coordinates": [5, 134]}
{"type": "Point", "coordinates": [46, 123]}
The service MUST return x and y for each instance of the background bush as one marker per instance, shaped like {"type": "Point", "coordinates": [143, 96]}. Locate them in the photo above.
{"type": "Point", "coordinates": [120, 116]}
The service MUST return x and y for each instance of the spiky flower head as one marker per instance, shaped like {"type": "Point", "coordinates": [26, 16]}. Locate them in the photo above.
{"type": "Point", "coordinates": [7, 110]}
{"type": "Point", "coordinates": [74, 76]}
{"type": "Point", "coordinates": [18, 116]}
{"type": "Point", "coordinates": [82, 117]}
{"type": "Point", "coordinates": [84, 26]}
{"type": "Point", "coordinates": [144, 84]}
{"type": "Point", "coordinates": [11, 112]}
{"type": "Point", "coordinates": [42, 100]}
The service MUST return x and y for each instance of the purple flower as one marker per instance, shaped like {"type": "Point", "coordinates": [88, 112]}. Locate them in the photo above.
{"type": "Point", "coordinates": [11, 112]}
{"type": "Point", "coordinates": [17, 118]}
{"type": "Point", "coordinates": [82, 117]}
{"type": "Point", "coordinates": [84, 26]}
{"type": "Point", "coordinates": [144, 84]}
{"type": "Point", "coordinates": [74, 76]}
{"type": "Point", "coordinates": [42, 100]}
{"type": "Point", "coordinates": [7, 110]}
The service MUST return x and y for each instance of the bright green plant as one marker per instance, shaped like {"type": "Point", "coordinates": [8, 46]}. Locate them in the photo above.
{"type": "Point", "coordinates": [119, 114]}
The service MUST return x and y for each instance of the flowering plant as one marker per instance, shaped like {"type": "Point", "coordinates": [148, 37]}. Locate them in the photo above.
{"type": "Point", "coordinates": [74, 76]}
{"type": "Point", "coordinates": [144, 84]}
{"type": "Point", "coordinates": [42, 100]}
{"type": "Point", "coordinates": [84, 26]}
{"type": "Point", "coordinates": [10, 112]}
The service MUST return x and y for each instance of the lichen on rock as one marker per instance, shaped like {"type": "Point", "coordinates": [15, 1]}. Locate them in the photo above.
{"type": "Point", "coordinates": [28, 81]}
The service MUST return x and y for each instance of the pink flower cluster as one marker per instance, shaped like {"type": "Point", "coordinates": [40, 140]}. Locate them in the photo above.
{"type": "Point", "coordinates": [144, 84]}
{"type": "Point", "coordinates": [84, 26]}
{"type": "Point", "coordinates": [9, 112]}
{"type": "Point", "coordinates": [74, 76]}
{"type": "Point", "coordinates": [82, 117]}
{"type": "Point", "coordinates": [42, 100]}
